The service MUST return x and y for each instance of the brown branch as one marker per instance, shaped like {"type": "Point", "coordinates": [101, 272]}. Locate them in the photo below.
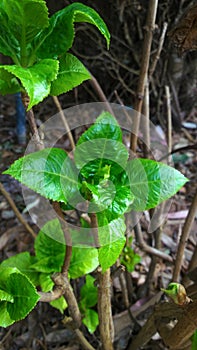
{"type": "Point", "coordinates": [94, 226]}
{"type": "Point", "coordinates": [32, 123]}
{"type": "Point", "coordinates": [180, 149]}
{"type": "Point", "coordinates": [83, 341]}
{"type": "Point", "coordinates": [73, 307]}
{"type": "Point", "coordinates": [163, 313]}
{"type": "Point", "coordinates": [193, 261]}
{"type": "Point", "coordinates": [64, 121]}
{"type": "Point", "coordinates": [145, 247]}
{"type": "Point", "coordinates": [183, 330]}
{"type": "Point", "coordinates": [100, 93]}
{"type": "Point", "coordinates": [150, 25]}
{"type": "Point", "coordinates": [68, 240]}
{"type": "Point", "coordinates": [16, 211]}
{"type": "Point", "coordinates": [104, 297]}
{"type": "Point", "coordinates": [184, 236]}
{"type": "Point", "coordinates": [158, 53]}
{"type": "Point", "coordinates": [169, 119]}
{"type": "Point", "coordinates": [146, 113]}
{"type": "Point", "coordinates": [104, 309]}
{"type": "Point", "coordinates": [56, 293]}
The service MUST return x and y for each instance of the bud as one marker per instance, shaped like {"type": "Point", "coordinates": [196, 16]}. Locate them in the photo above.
{"type": "Point", "coordinates": [177, 293]}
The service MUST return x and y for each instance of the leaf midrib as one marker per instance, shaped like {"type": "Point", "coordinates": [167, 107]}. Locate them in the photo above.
{"type": "Point", "coordinates": [50, 173]}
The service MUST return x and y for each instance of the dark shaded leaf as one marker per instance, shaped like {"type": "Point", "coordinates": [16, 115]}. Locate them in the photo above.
{"type": "Point", "coordinates": [58, 38]}
{"type": "Point", "coordinates": [8, 83]}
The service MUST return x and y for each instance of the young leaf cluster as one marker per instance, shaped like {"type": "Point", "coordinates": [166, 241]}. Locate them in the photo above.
{"type": "Point", "coordinates": [38, 45]}
{"type": "Point", "coordinates": [128, 257]}
{"type": "Point", "coordinates": [101, 175]}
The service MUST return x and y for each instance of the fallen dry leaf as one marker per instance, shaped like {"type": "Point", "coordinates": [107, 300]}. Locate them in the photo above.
{"type": "Point", "coordinates": [184, 35]}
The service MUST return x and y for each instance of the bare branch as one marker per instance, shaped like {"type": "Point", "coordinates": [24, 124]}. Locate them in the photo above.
{"type": "Point", "coordinates": [184, 236]}
{"type": "Point", "coordinates": [16, 211]}
{"type": "Point", "coordinates": [150, 25]}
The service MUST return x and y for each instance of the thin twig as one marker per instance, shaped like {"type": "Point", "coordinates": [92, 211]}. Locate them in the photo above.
{"type": "Point", "coordinates": [169, 119]}
{"type": "Point", "coordinates": [64, 121]}
{"type": "Point", "coordinates": [16, 211]}
{"type": "Point", "coordinates": [186, 280]}
{"type": "Point", "coordinates": [193, 261]}
{"type": "Point", "coordinates": [83, 341]}
{"type": "Point", "coordinates": [146, 113]}
{"type": "Point", "coordinates": [184, 236]}
{"type": "Point", "coordinates": [145, 247]}
{"type": "Point", "coordinates": [150, 25]}
{"type": "Point", "coordinates": [100, 93]}
{"type": "Point", "coordinates": [185, 148]}
{"type": "Point", "coordinates": [123, 283]}
{"type": "Point", "coordinates": [158, 53]}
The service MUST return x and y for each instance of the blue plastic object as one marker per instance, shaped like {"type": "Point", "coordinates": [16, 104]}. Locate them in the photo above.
{"type": "Point", "coordinates": [20, 120]}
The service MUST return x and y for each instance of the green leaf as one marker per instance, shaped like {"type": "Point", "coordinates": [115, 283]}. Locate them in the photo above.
{"type": "Point", "coordinates": [59, 304]}
{"type": "Point", "coordinates": [110, 231]}
{"type": "Point", "coordinates": [115, 198]}
{"type": "Point", "coordinates": [9, 45]}
{"type": "Point", "coordinates": [152, 182]}
{"type": "Point", "coordinates": [91, 320]}
{"type": "Point", "coordinates": [4, 296]}
{"type": "Point", "coordinates": [23, 292]}
{"type": "Point", "coordinates": [45, 282]}
{"type": "Point", "coordinates": [51, 252]}
{"type": "Point", "coordinates": [49, 172]}
{"type": "Point", "coordinates": [83, 261]}
{"type": "Point", "coordinates": [194, 341]}
{"type": "Point", "coordinates": [25, 296]}
{"type": "Point", "coordinates": [71, 74]}
{"type": "Point", "coordinates": [89, 293]}
{"type": "Point", "coordinates": [26, 18]}
{"type": "Point", "coordinates": [36, 79]}
{"type": "Point", "coordinates": [50, 241]}
{"type": "Point", "coordinates": [8, 83]}
{"type": "Point", "coordinates": [109, 253]}
{"type": "Point", "coordinates": [105, 126]}
{"type": "Point", "coordinates": [21, 22]}
{"type": "Point", "coordinates": [129, 258]}
{"type": "Point", "coordinates": [50, 248]}
{"type": "Point", "coordinates": [93, 156]}
{"type": "Point", "coordinates": [100, 149]}
{"type": "Point", "coordinates": [111, 239]}
{"type": "Point", "coordinates": [49, 265]}
{"type": "Point", "coordinates": [82, 237]}
{"type": "Point", "coordinates": [58, 38]}
{"type": "Point", "coordinates": [23, 262]}
{"type": "Point", "coordinates": [5, 319]}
